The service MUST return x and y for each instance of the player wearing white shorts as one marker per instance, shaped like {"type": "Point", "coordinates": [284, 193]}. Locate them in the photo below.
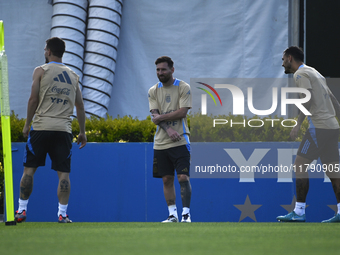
{"type": "Point", "coordinates": [321, 139]}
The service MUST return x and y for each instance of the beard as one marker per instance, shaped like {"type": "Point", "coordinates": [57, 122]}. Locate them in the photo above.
{"type": "Point", "coordinates": [288, 68]}
{"type": "Point", "coordinates": [288, 71]}
{"type": "Point", "coordinates": [46, 60]}
{"type": "Point", "coordinates": [164, 78]}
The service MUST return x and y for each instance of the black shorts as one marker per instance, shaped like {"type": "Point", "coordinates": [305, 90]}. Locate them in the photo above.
{"type": "Point", "coordinates": [165, 162]}
{"type": "Point", "coordinates": [321, 143]}
{"type": "Point", "coordinates": [57, 144]}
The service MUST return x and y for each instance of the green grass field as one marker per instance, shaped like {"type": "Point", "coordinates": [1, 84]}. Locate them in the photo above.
{"type": "Point", "coordinates": [175, 238]}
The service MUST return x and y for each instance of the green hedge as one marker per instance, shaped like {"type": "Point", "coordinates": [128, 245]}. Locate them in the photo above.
{"type": "Point", "coordinates": [202, 129]}
{"type": "Point", "coordinates": [120, 129]}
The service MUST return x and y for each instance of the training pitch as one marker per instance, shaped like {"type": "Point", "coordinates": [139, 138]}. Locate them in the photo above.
{"type": "Point", "coordinates": [171, 238]}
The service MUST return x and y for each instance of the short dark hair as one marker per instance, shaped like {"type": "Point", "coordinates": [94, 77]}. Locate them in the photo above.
{"type": "Point", "coordinates": [295, 52]}
{"type": "Point", "coordinates": [56, 45]}
{"type": "Point", "coordinates": [165, 59]}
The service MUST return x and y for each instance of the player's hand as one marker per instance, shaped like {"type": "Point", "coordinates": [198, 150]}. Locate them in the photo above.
{"type": "Point", "coordinates": [25, 131]}
{"type": "Point", "coordinates": [81, 140]}
{"type": "Point", "coordinates": [156, 118]}
{"type": "Point", "coordinates": [294, 132]}
{"type": "Point", "coordinates": [174, 136]}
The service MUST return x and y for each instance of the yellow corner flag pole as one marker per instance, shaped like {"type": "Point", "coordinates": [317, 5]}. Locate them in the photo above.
{"type": "Point", "coordinates": [6, 129]}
